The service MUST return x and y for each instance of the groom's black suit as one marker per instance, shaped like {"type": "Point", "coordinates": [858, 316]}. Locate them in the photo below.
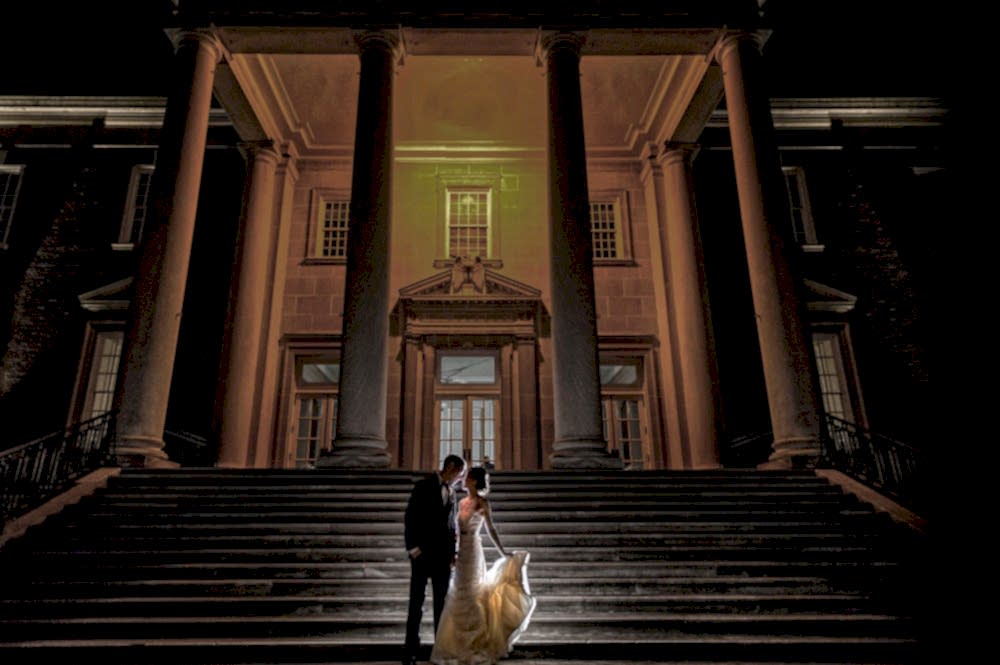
{"type": "Point", "coordinates": [430, 525]}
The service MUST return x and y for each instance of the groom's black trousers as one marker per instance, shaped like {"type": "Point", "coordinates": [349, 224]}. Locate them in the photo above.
{"type": "Point", "coordinates": [438, 571]}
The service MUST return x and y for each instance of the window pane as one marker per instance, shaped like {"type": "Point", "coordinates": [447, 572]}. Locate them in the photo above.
{"type": "Point", "coordinates": [104, 372]}
{"type": "Point", "coordinates": [483, 431]}
{"type": "Point", "coordinates": [310, 428]}
{"type": "Point", "coordinates": [603, 229]}
{"type": "Point", "coordinates": [624, 374]}
{"type": "Point", "coordinates": [319, 373]}
{"type": "Point", "coordinates": [630, 437]}
{"type": "Point", "coordinates": [10, 180]}
{"type": "Point", "coordinates": [468, 222]}
{"type": "Point", "coordinates": [333, 229]}
{"type": "Point", "coordinates": [450, 427]}
{"type": "Point", "coordinates": [464, 370]}
{"type": "Point", "coordinates": [830, 381]}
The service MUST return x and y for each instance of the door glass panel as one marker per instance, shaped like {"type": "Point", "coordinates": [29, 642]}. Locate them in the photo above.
{"type": "Point", "coordinates": [450, 412]}
{"type": "Point", "coordinates": [104, 372]}
{"type": "Point", "coordinates": [468, 427]}
{"type": "Point", "coordinates": [483, 431]}
{"type": "Point", "coordinates": [623, 429]}
{"type": "Point", "coordinates": [630, 437]}
{"type": "Point", "coordinates": [310, 430]}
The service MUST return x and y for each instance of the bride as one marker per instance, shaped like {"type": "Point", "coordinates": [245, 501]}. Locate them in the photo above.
{"type": "Point", "coordinates": [485, 612]}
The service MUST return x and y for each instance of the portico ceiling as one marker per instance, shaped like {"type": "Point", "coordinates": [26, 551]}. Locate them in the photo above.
{"type": "Point", "coordinates": [446, 101]}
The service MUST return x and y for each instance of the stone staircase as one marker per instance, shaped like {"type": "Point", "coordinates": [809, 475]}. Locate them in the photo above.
{"type": "Point", "coordinates": [200, 566]}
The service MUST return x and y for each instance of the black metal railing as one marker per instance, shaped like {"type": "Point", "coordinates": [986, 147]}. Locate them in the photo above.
{"type": "Point", "coordinates": [34, 472]}
{"type": "Point", "coordinates": [748, 450]}
{"type": "Point", "coordinates": [187, 448]}
{"type": "Point", "coordinates": [891, 467]}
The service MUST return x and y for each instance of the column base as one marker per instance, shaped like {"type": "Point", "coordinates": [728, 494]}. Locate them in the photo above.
{"type": "Point", "coordinates": [793, 453]}
{"type": "Point", "coordinates": [584, 457]}
{"type": "Point", "coordinates": [141, 452]}
{"type": "Point", "coordinates": [355, 454]}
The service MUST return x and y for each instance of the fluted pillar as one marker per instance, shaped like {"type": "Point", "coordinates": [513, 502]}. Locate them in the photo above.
{"type": "Point", "coordinates": [158, 297]}
{"type": "Point", "coordinates": [788, 373]}
{"type": "Point", "coordinates": [689, 298]}
{"type": "Point", "coordinates": [360, 439]}
{"type": "Point", "coordinates": [243, 364]}
{"type": "Point", "coordinates": [579, 436]}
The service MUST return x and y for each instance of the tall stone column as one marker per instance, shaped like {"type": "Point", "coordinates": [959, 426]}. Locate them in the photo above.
{"type": "Point", "coordinates": [158, 297]}
{"type": "Point", "coordinates": [243, 364]}
{"type": "Point", "coordinates": [579, 436]}
{"type": "Point", "coordinates": [788, 372]}
{"type": "Point", "coordinates": [360, 439]}
{"type": "Point", "coordinates": [674, 454]}
{"type": "Point", "coordinates": [689, 296]}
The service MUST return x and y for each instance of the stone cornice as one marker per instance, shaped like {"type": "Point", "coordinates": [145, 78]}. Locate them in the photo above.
{"type": "Point", "coordinates": [114, 112]}
{"type": "Point", "coordinates": [821, 112]}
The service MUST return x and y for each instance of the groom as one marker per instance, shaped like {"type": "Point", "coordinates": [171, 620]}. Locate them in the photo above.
{"type": "Point", "coordinates": [431, 539]}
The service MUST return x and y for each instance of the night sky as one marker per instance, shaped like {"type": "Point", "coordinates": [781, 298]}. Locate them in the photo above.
{"type": "Point", "coordinates": [818, 49]}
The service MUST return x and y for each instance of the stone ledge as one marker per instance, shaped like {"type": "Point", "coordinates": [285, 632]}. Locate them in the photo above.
{"type": "Point", "coordinates": [882, 503]}
{"type": "Point", "coordinates": [85, 486]}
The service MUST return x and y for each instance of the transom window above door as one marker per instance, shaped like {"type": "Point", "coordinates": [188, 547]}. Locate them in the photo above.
{"type": "Point", "coordinates": [467, 369]}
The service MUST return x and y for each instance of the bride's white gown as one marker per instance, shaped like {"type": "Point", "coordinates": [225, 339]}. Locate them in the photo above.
{"type": "Point", "coordinates": [485, 612]}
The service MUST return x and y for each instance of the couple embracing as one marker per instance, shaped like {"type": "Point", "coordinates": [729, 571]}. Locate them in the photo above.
{"type": "Point", "coordinates": [478, 613]}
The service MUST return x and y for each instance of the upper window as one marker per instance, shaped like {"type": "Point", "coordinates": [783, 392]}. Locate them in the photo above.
{"type": "Point", "coordinates": [604, 229]}
{"type": "Point", "coordinates": [10, 183]}
{"type": "Point", "coordinates": [609, 227]}
{"type": "Point", "coordinates": [798, 203]}
{"type": "Point", "coordinates": [136, 206]}
{"type": "Point", "coordinates": [331, 214]}
{"type": "Point", "coordinates": [331, 242]}
{"type": "Point", "coordinates": [469, 221]}
{"type": "Point", "coordinates": [468, 211]}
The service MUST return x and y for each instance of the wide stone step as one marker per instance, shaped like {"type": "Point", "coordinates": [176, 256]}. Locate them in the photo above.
{"type": "Point", "coordinates": [638, 570]}
{"type": "Point", "coordinates": [501, 515]}
{"type": "Point", "coordinates": [360, 606]}
{"type": "Point", "coordinates": [248, 587]}
{"type": "Point", "coordinates": [87, 540]}
{"type": "Point", "coordinates": [278, 566]}
{"type": "Point", "coordinates": [509, 528]}
{"type": "Point", "coordinates": [634, 626]}
{"type": "Point", "coordinates": [539, 487]}
{"type": "Point", "coordinates": [790, 552]}
{"type": "Point", "coordinates": [337, 503]}
{"type": "Point", "coordinates": [730, 649]}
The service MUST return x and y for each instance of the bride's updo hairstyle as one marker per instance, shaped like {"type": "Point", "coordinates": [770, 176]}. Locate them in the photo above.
{"type": "Point", "coordinates": [482, 479]}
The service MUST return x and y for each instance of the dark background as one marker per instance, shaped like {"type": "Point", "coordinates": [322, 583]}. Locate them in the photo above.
{"type": "Point", "coordinates": [818, 49]}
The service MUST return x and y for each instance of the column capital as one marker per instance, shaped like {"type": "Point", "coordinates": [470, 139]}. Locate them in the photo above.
{"type": "Point", "coordinates": [558, 41]}
{"type": "Point", "coordinates": [384, 40]}
{"type": "Point", "coordinates": [261, 150]}
{"type": "Point", "coordinates": [732, 40]}
{"type": "Point", "coordinates": [649, 159]}
{"type": "Point", "coordinates": [202, 38]}
{"type": "Point", "coordinates": [674, 152]}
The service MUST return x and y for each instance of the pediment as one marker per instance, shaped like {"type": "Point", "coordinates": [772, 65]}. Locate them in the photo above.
{"type": "Point", "coordinates": [450, 285]}
{"type": "Point", "coordinates": [469, 299]}
{"type": "Point", "coordinates": [823, 298]}
{"type": "Point", "coordinates": [110, 297]}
